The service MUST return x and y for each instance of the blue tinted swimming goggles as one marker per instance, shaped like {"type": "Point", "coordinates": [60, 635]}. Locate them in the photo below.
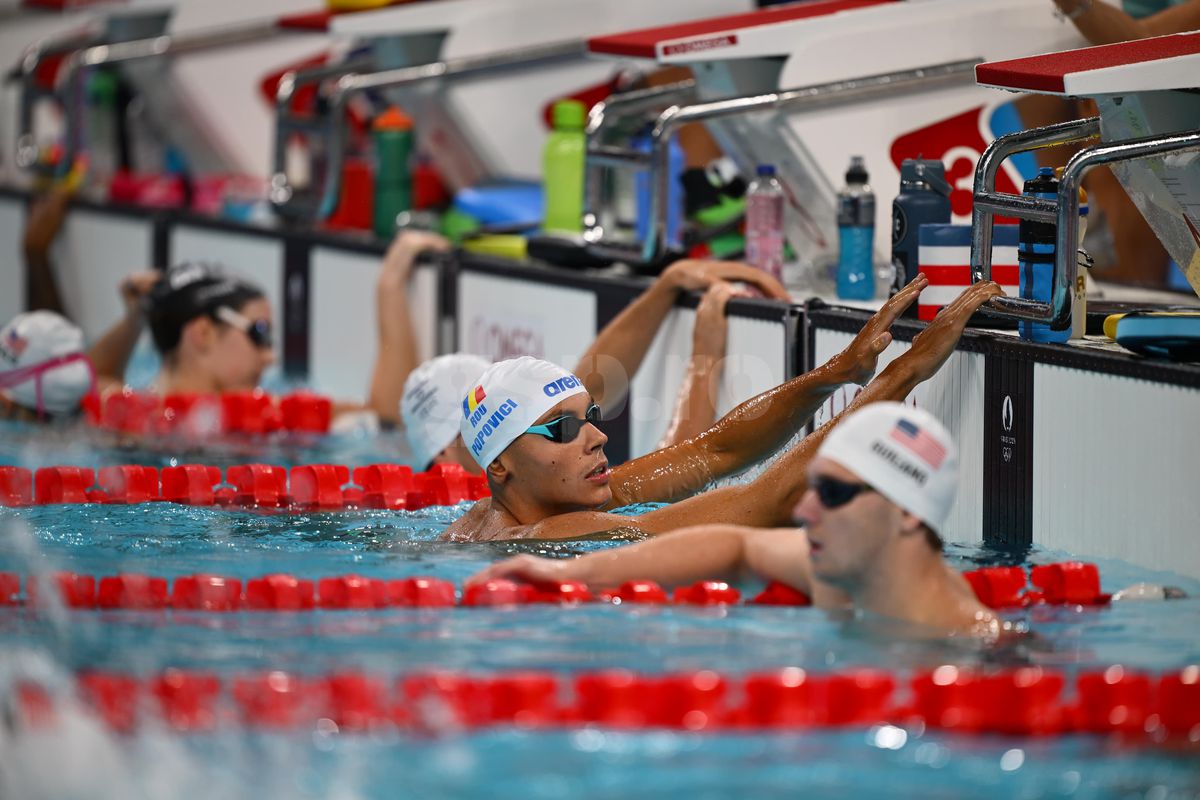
{"type": "Point", "coordinates": [565, 428]}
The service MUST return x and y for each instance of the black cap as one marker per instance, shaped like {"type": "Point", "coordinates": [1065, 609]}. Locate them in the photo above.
{"type": "Point", "coordinates": [189, 290]}
{"type": "Point", "coordinates": [857, 171]}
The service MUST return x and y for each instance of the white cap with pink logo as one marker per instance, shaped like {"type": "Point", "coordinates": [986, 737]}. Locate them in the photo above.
{"type": "Point", "coordinates": [42, 362]}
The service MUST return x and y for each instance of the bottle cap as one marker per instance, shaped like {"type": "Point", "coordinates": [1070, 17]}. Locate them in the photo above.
{"type": "Point", "coordinates": [766, 170]}
{"type": "Point", "coordinates": [928, 171]}
{"type": "Point", "coordinates": [392, 120]}
{"type": "Point", "coordinates": [857, 172]}
{"type": "Point", "coordinates": [1083, 197]}
{"type": "Point", "coordinates": [568, 115]}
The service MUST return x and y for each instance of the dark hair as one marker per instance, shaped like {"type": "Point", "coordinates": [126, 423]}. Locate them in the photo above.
{"type": "Point", "coordinates": [932, 539]}
{"type": "Point", "coordinates": [189, 290]}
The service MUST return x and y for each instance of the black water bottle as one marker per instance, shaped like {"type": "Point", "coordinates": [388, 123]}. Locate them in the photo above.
{"type": "Point", "coordinates": [924, 199]}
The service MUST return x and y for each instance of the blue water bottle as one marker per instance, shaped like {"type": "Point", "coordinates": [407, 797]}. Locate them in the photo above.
{"type": "Point", "coordinates": [1035, 259]}
{"type": "Point", "coordinates": [856, 235]}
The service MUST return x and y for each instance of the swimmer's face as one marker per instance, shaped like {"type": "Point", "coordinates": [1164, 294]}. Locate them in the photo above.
{"type": "Point", "coordinates": [566, 476]}
{"type": "Point", "coordinates": [236, 361]}
{"type": "Point", "coordinates": [847, 542]}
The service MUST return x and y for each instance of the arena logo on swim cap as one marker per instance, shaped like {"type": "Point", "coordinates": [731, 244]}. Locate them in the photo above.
{"type": "Point", "coordinates": [561, 385]}
{"type": "Point", "coordinates": [492, 424]}
{"type": "Point", "coordinates": [471, 403]}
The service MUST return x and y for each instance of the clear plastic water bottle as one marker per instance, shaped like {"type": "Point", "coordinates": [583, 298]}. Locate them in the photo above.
{"type": "Point", "coordinates": [764, 222]}
{"type": "Point", "coordinates": [856, 235]}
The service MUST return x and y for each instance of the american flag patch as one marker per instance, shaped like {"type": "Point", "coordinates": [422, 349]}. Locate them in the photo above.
{"type": "Point", "coordinates": [919, 443]}
{"type": "Point", "coordinates": [15, 343]}
{"type": "Point", "coordinates": [945, 258]}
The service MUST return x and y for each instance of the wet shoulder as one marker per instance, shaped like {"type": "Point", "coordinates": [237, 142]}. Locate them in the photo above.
{"type": "Point", "coordinates": [469, 525]}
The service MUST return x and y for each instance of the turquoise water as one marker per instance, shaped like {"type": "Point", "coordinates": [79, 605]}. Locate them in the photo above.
{"type": "Point", "coordinates": [84, 760]}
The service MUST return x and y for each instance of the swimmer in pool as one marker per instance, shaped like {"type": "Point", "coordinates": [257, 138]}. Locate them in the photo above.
{"type": "Point", "coordinates": [864, 534]}
{"type": "Point", "coordinates": [44, 368]}
{"type": "Point", "coordinates": [532, 426]}
{"type": "Point", "coordinates": [429, 406]}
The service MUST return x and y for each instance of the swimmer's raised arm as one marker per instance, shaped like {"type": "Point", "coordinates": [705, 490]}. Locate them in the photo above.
{"type": "Point", "coordinates": [615, 356]}
{"type": "Point", "coordinates": [110, 353]}
{"type": "Point", "coordinates": [396, 353]}
{"type": "Point", "coordinates": [704, 552]}
{"type": "Point", "coordinates": [1104, 23]}
{"type": "Point", "coordinates": [695, 408]}
{"type": "Point", "coordinates": [768, 501]}
{"type": "Point", "coordinates": [762, 424]}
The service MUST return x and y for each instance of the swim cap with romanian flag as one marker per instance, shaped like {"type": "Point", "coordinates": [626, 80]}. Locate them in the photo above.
{"type": "Point", "coordinates": [904, 453]}
{"type": "Point", "coordinates": [509, 397]}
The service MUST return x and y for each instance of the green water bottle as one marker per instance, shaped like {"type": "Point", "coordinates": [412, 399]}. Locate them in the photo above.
{"type": "Point", "coordinates": [392, 132]}
{"type": "Point", "coordinates": [562, 169]}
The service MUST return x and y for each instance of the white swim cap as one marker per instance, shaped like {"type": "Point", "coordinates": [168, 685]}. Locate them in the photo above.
{"type": "Point", "coordinates": [432, 397]}
{"type": "Point", "coordinates": [509, 398]}
{"type": "Point", "coordinates": [904, 453]}
{"type": "Point", "coordinates": [36, 337]}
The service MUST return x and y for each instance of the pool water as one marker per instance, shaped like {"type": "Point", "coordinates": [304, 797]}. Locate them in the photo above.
{"type": "Point", "coordinates": [83, 759]}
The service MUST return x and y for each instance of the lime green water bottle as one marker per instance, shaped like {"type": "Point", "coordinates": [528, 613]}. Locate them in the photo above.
{"type": "Point", "coordinates": [392, 132]}
{"type": "Point", "coordinates": [562, 169]}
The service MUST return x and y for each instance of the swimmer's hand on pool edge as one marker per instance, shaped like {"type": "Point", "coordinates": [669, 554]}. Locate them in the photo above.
{"type": "Point", "coordinates": [933, 346]}
{"type": "Point", "coordinates": [857, 362]}
{"type": "Point", "coordinates": [698, 275]}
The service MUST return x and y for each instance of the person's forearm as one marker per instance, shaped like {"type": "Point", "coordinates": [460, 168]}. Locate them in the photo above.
{"type": "Point", "coordinates": [768, 501]}
{"type": "Point", "coordinates": [42, 293]}
{"type": "Point", "coordinates": [744, 436]}
{"type": "Point", "coordinates": [609, 365]}
{"type": "Point", "coordinates": [786, 479]}
{"type": "Point", "coordinates": [397, 355]}
{"type": "Point", "coordinates": [695, 410]}
{"type": "Point", "coordinates": [709, 552]}
{"type": "Point", "coordinates": [111, 352]}
{"type": "Point", "coordinates": [1102, 23]}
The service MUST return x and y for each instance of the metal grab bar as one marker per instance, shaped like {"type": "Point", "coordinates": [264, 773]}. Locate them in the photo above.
{"type": "Point", "coordinates": [287, 124]}
{"type": "Point", "coordinates": [1063, 212]}
{"type": "Point", "coordinates": [808, 98]}
{"type": "Point", "coordinates": [154, 47]}
{"type": "Point", "coordinates": [285, 197]}
{"type": "Point", "coordinates": [607, 120]}
{"type": "Point", "coordinates": [26, 73]}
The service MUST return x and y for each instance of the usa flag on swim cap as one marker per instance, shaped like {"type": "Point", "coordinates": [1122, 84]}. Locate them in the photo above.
{"type": "Point", "coordinates": [919, 443]}
{"type": "Point", "coordinates": [16, 343]}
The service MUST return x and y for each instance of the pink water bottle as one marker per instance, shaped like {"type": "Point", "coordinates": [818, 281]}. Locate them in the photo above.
{"type": "Point", "coordinates": [764, 222]}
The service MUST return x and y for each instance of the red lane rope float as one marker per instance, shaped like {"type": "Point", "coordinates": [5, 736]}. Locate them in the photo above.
{"type": "Point", "coordinates": [1068, 583]}
{"type": "Point", "coordinates": [1026, 701]}
{"type": "Point", "coordinates": [254, 413]}
{"type": "Point", "coordinates": [306, 487]}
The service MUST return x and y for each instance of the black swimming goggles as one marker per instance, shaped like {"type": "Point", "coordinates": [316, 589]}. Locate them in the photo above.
{"type": "Point", "coordinates": [258, 331]}
{"type": "Point", "coordinates": [565, 428]}
{"type": "Point", "coordinates": [834, 493]}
